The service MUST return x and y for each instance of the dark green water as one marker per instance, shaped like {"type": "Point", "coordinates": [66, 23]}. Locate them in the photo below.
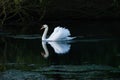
{"type": "Point", "coordinates": [28, 58]}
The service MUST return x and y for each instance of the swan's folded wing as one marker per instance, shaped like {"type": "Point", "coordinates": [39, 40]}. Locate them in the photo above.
{"type": "Point", "coordinates": [59, 33]}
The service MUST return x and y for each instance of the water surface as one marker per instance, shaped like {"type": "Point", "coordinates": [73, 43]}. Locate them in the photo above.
{"type": "Point", "coordinates": [27, 57]}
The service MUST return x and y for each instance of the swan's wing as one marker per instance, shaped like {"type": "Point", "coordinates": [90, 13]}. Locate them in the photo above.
{"type": "Point", "coordinates": [60, 48]}
{"type": "Point", "coordinates": [59, 33]}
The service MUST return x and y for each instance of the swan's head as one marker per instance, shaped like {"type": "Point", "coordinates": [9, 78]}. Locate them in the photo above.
{"type": "Point", "coordinates": [44, 26]}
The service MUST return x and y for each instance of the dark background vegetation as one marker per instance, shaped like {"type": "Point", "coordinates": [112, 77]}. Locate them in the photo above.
{"type": "Point", "coordinates": [26, 16]}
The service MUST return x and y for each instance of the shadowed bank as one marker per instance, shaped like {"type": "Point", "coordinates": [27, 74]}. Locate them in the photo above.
{"type": "Point", "coordinates": [26, 17]}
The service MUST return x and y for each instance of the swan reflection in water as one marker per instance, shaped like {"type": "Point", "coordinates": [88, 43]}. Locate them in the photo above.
{"type": "Point", "coordinates": [61, 47]}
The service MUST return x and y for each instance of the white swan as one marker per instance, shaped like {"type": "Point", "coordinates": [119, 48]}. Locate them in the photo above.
{"type": "Point", "coordinates": [59, 34]}
{"type": "Point", "coordinates": [59, 48]}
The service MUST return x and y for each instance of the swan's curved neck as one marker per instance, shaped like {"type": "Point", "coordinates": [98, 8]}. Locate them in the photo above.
{"type": "Point", "coordinates": [45, 34]}
{"type": "Point", "coordinates": [45, 49]}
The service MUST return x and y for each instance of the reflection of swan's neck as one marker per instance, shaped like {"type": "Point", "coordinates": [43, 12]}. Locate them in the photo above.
{"type": "Point", "coordinates": [45, 33]}
{"type": "Point", "coordinates": [45, 49]}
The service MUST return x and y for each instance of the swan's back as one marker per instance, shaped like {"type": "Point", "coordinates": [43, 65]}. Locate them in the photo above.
{"type": "Point", "coordinates": [59, 33]}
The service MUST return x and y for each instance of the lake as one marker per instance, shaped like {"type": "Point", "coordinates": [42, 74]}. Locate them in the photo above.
{"type": "Point", "coordinates": [26, 57]}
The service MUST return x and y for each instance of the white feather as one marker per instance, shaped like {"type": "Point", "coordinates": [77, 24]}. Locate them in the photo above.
{"type": "Point", "coordinates": [59, 34]}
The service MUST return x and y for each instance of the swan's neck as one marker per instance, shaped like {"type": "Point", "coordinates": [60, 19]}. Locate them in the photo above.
{"type": "Point", "coordinates": [45, 34]}
{"type": "Point", "coordinates": [45, 49]}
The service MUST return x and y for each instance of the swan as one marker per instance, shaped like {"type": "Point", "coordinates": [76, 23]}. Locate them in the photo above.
{"type": "Point", "coordinates": [59, 48]}
{"type": "Point", "coordinates": [59, 34]}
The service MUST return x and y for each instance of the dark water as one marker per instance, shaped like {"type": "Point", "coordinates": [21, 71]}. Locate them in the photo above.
{"type": "Point", "coordinates": [26, 57]}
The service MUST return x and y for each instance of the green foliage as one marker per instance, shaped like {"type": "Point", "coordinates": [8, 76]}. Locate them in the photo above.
{"type": "Point", "coordinates": [21, 10]}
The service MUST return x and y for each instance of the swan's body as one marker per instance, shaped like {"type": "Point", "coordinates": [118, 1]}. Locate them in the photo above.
{"type": "Point", "coordinates": [59, 34]}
